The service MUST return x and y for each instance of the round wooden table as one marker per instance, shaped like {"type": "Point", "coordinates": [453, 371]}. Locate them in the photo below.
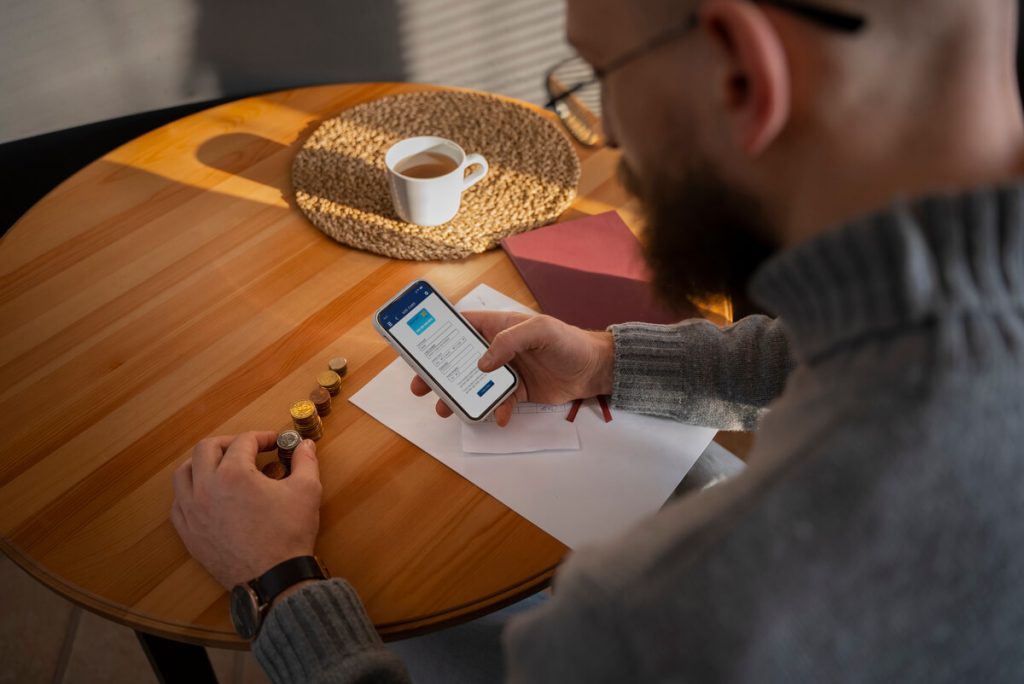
{"type": "Point", "coordinates": [170, 291]}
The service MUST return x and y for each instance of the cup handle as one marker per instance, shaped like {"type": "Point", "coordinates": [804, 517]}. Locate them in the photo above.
{"type": "Point", "coordinates": [477, 175]}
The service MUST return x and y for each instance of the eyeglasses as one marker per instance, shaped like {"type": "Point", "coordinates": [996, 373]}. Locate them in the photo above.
{"type": "Point", "coordinates": [574, 86]}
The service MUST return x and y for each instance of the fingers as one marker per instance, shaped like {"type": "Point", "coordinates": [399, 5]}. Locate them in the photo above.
{"type": "Point", "coordinates": [182, 482]}
{"type": "Point", "coordinates": [178, 519]}
{"type": "Point", "coordinates": [305, 465]}
{"type": "Point", "coordinates": [442, 409]}
{"type": "Point", "coordinates": [534, 333]}
{"type": "Point", "coordinates": [207, 454]}
{"type": "Point", "coordinates": [419, 387]}
{"type": "Point", "coordinates": [503, 414]}
{"type": "Point", "coordinates": [266, 439]}
{"type": "Point", "coordinates": [490, 323]}
{"type": "Point", "coordinates": [521, 393]}
{"type": "Point", "coordinates": [243, 448]}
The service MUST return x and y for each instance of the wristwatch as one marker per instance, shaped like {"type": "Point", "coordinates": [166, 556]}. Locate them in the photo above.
{"type": "Point", "coordinates": [251, 600]}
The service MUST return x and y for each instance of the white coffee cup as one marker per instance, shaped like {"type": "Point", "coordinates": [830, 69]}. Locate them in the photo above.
{"type": "Point", "coordinates": [435, 200]}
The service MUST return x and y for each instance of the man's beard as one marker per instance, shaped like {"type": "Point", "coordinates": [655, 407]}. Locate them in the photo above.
{"type": "Point", "coordinates": [702, 236]}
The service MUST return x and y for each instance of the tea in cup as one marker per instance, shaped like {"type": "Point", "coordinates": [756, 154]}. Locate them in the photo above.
{"type": "Point", "coordinates": [427, 176]}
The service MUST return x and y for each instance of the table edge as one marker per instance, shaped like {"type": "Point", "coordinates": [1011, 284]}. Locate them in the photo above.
{"type": "Point", "coordinates": [389, 631]}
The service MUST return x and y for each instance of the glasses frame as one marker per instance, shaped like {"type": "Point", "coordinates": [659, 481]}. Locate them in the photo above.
{"type": "Point", "coordinates": [836, 20]}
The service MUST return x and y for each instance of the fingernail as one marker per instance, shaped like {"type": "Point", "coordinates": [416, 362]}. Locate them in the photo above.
{"type": "Point", "coordinates": [485, 360]}
{"type": "Point", "coordinates": [311, 445]}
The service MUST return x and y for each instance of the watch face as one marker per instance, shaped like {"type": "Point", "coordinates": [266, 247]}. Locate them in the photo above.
{"type": "Point", "coordinates": [245, 611]}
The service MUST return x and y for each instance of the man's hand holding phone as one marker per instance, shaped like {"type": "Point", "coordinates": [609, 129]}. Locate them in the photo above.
{"type": "Point", "coordinates": [556, 362]}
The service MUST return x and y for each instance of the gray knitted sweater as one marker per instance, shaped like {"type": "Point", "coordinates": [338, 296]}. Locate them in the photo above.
{"type": "Point", "coordinates": [878, 532]}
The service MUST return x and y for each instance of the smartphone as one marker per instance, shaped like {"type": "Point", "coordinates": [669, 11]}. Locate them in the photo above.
{"type": "Point", "coordinates": [441, 345]}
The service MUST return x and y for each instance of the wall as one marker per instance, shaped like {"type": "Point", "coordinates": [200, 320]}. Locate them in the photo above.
{"type": "Point", "coordinates": [65, 63]}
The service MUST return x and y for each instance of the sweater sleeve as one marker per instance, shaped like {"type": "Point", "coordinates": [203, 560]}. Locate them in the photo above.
{"type": "Point", "coordinates": [321, 633]}
{"type": "Point", "coordinates": [698, 373]}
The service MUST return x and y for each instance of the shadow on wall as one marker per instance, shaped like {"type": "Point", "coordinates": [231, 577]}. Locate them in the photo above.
{"type": "Point", "coordinates": [251, 46]}
{"type": "Point", "coordinates": [501, 46]}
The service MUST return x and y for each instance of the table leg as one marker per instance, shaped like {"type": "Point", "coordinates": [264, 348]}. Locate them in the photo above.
{"type": "Point", "coordinates": [174, 661]}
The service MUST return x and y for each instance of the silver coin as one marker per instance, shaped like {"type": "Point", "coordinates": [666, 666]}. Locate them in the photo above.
{"type": "Point", "coordinates": [338, 364]}
{"type": "Point", "coordinates": [288, 440]}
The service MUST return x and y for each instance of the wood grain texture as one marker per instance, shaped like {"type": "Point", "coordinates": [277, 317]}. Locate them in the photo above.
{"type": "Point", "coordinates": [170, 291]}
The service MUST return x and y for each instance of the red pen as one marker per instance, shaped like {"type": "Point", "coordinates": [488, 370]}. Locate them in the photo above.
{"type": "Point", "coordinates": [602, 400]}
{"type": "Point", "coordinates": [574, 410]}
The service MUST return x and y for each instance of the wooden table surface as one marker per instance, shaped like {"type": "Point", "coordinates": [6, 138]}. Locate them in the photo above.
{"type": "Point", "coordinates": [170, 291]}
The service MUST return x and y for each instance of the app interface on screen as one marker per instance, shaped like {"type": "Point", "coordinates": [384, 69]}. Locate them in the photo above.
{"type": "Point", "coordinates": [439, 340]}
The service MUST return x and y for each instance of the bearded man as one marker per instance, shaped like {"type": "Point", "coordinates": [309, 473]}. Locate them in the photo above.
{"type": "Point", "coordinates": [855, 167]}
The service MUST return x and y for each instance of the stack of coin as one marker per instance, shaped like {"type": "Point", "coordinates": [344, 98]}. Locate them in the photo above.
{"type": "Point", "coordinates": [287, 442]}
{"type": "Point", "coordinates": [275, 470]}
{"type": "Point", "coordinates": [330, 381]}
{"type": "Point", "coordinates": [339, 365]}
{"type": "Point", "coordinates": [321, 398]}
{"type": "Point", "coordinates": [306, 420]}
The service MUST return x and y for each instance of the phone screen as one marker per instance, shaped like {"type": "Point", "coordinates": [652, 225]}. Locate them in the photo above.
{"type": "Point", "coordinates": [428, 329]}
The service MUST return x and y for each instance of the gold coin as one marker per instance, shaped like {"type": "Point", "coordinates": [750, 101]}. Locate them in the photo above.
{"type": "Point", "coordinates": [314, 429]}
{"type": "Point", "coordinates": [328, 378]}
{"type": "Point", "coordinates": [301, 410]}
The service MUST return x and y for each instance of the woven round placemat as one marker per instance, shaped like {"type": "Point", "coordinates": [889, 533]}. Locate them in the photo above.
{"type": "Point", "coordinates": [341, 182]}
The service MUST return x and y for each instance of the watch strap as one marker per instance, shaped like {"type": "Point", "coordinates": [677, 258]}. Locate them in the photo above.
{"type": "Point", "coordinates": [286, 574]}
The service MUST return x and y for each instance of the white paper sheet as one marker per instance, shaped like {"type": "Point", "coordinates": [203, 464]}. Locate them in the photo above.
{"type": "Point", "coordinates": [534, 427]}
{"type": "Point", "coordinates": [623, 471]}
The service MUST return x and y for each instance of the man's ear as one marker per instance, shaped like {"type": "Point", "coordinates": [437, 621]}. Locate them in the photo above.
{"type": "Point", "coordinates": [755, 87]}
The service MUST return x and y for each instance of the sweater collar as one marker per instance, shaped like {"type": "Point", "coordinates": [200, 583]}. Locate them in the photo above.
{"type": "Point", "coordinates": [932, 258]}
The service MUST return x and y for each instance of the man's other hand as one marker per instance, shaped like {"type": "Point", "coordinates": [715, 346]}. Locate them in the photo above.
{"type": "Point", "coordinates": [556, 362]}
{"type": "Point", "coordinates": [234, 520]}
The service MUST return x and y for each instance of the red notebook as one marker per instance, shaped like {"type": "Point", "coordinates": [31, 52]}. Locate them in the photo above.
{"type": "Point", "coordinates": [589, 272]}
